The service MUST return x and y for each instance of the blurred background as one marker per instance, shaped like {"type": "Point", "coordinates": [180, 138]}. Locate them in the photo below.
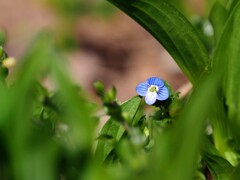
{"type": "Point", "coordinates": [99, 41]}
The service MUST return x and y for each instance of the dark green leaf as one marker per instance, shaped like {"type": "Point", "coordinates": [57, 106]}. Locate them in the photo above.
{"type": "Point", "coordinates": [172, 30]}
{"type": "Point", "coordinates": [227, 58]}
{"type": "Point", "coordinates": [219, 167]}
{"type": "Point", "coordinates": [218, 18]}
{"type": "Point", "coordinates": [231, 4]}
{"type": "Point", "coordinates": [235, 173]}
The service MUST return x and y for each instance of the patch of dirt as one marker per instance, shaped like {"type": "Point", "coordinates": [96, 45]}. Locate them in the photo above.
{"type": "Point", "coordinates": [116, 51]}
{"type": "Point", "coordinates": [125, 54]}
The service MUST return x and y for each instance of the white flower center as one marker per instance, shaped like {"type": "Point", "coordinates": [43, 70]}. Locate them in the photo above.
{"type": "Point", "coordinates": [153, 88]}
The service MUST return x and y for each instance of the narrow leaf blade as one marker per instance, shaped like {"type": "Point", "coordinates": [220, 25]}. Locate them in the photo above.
{"type": "Point", "coordinates": [227, 57]}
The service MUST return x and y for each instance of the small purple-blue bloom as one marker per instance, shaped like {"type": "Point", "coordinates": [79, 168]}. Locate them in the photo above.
{"type": "Point", "coordinates": [153, 89]}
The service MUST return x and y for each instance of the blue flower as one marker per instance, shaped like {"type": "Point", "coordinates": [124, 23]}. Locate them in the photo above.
{"type": "Point", "coordinates": [153, 89]}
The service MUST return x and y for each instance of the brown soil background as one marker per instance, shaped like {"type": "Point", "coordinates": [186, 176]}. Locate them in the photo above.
{"type": "Point", "coordinates": [116, 51]}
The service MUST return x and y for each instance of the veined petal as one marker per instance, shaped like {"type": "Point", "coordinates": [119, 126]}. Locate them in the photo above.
{"type": "Point", "coordinates": [151, 97]}
{"type": "Point", "coordinates": [163, 93]}
{"type": "Point", "coordinates": [142, 89]}
{"type": "Point", "coordinates": [155, 81]}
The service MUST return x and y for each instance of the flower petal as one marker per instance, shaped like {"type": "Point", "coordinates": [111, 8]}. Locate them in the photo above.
{"type": "Point", "coordinates": [155, 81]}
{"type": "Point", "coordinates": [151, 97]}
{"type": "Point", "coordinates": [163, 93]}
{"type": "Point", "coordinates": [142, 89]}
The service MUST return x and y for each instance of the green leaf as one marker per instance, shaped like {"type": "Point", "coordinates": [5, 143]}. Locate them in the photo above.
{"type": "Point", "coordinates": [114, 129]}
{"type": "Point", "coordinates": [31, 151]}
{"type": "Point", "coordinates": [227, 58]}
{"type": "Point", "coordinates": [172, 30]}
{"type": "Point", "coordinates": [218, 18]}
{"type": "Point", "coordinates": [34, 151]}
{"type": "Point", "coordinates": [235, 173]}
{"type": "Point", "coordinates": [177, 150]}
{"type": "Point", "coordinates": [222, 131]}
{"type": "Point", "coordinates": [219, 167]}
{"type": "Point", "coordinates": [3, 37]}
{"type": "Point", "coordinates": [231, 4]}
{"type": "Point", "coordinates": [76, 112]}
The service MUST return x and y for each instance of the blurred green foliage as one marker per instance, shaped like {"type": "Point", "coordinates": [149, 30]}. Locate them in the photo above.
{"type": "Point", "coordinates": [76, 8]}
{"type": "Point", "coordinates": [46, 128]}
{"type": "Point", "coordinates": [70, 11]}
{"type": "Point", "coordinates": [56, 134]}
{"type": "Point", "coordinates": [2, 37]}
